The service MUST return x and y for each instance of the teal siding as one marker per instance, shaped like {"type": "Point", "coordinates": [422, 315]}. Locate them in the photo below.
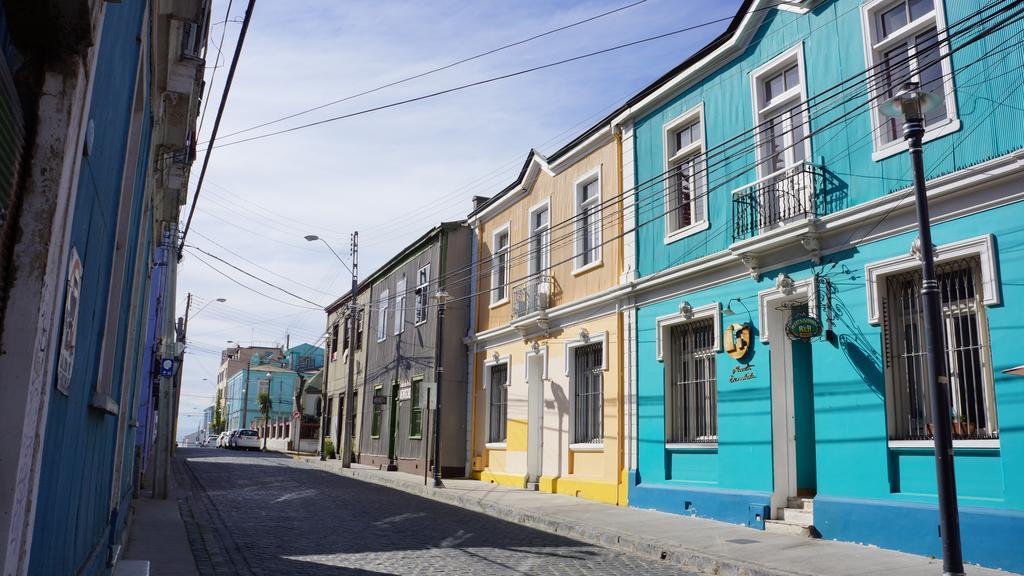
{"type": "Point", "coordinates": [988, 98]}
{"type": "Point", "coordinates": [866, 491]}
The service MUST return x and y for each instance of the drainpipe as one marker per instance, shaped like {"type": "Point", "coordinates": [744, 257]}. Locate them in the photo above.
{"type": "Point", "coordinates": [471, 351]}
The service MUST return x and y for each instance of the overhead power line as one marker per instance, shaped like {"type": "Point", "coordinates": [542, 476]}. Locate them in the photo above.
{"type": "Point", "coordinates": [438, 69]}
{"type": "Point", "coordinates": [216, 122]}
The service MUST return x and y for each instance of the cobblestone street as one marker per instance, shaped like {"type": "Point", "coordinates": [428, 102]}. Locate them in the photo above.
{"type": "Point", "coordinates": [254, 514]}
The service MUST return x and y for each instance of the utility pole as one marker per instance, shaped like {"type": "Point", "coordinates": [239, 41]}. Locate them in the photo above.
{"type": "Point", "coordinates": [165, 398]}
{"type": "Point", "coordinates": [393, 407]}
{"type": "Point", "coordinates": [349, 413]}
{"type": "Point", "coordinates": [182, 338]}
{"type": "Point", "coordinates": [441, 296]}
{"type": "Point", "coordinates": [911, 104]}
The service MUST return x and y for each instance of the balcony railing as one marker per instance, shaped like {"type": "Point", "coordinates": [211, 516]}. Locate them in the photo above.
{"type": "Point", "coordinates": [784, 196]}
{"type": "Point", "coordinates": [533, 295]}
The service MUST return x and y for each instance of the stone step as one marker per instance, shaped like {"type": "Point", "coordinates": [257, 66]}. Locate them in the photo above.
{"type": "Point", "coordinates": [783, 527]}
{"type": "Point", "coordinates": [799, 516]}
{"type": "Point", "coordinates": [535, 486]}
{"type": "Point", "coordinates": [798, 502]}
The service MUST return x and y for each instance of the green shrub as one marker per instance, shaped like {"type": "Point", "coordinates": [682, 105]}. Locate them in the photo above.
{"type": "Point", "coordinates": [329, 448]}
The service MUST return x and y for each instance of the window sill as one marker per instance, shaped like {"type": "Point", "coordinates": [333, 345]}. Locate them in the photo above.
{"type": "Point", "coordinates": [104, 402]}
{"type": "Point", "coordinates": [498, 304]}
{"type": "Point", "coordinates": [897, 146]}
{"type": "Point", "coordinates": [586, 447]}
{"type": "Point", "coordinates": [496, 446]}
{"type": "Point", "coordinates": [692, 446]}
{"type": "Point", "coordinates": [687, 231]}
{"type": "Point", "coordinates": [957, 444]}
{"type": "Point", "coordinates": [587, 268]}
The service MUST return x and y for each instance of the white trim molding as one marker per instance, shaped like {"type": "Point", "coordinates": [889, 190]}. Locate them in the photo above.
{"type": "Point", "coordinates": [673, 156]}
{"type": "Point", "coordinates": [507, 230]}
{"type": "Point", "coordinates": [491, 362]}
{"type": "Point", "coordinates": [785, 289]}
{"type": "Point", "coordinates": [982, 247]}
{"type": "Point", "coordinates": [957, 444]}
{"type": "Point", "coordinates": [587, 447]}
{"type": "Point", "coordinates": [585, 338]}
{"type": "Point", "coordinates": [593, 175]}
{"type": "Point", "coordinates": [540, 351]}
{"type": "Point", "coordinates": [687, 314]}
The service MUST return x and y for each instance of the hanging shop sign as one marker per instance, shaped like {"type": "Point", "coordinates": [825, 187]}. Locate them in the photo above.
{"type": "Point", "coordinates": [69, 333]}
{"type": "Point", "coordinates": [738, 340]}
{"type": "Point", "coordinates": [803, 328]}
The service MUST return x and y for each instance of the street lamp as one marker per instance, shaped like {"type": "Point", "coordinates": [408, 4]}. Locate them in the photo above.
{"type": "Point", "coordinates": [314, 238]}
{"type": "Point", "coordinates": [911, 104]}
{"type": "Point", "coordinates": [220, 300]}
{"type": "Point", "coordinates": [441, 296]}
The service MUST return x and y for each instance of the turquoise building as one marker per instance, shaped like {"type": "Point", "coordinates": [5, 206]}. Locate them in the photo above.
{"type": "Point", "coordinates": [770, 201]}
{"type": "Point", "coordinates": [279, 374]}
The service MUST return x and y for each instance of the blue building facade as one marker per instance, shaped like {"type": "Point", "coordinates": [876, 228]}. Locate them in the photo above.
{"type": "Point", "coordinates": [771, 200]}
{"type": "Point", "coordinates": [102, 95]}
{"type": "Point", "coordinates": [280, 375]}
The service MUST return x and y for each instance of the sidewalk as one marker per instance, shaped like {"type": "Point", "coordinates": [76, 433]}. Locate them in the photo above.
{"type": "Point", "coordinates": [695, 544]}
{"type": "Point", "coordinates": [158, 536]}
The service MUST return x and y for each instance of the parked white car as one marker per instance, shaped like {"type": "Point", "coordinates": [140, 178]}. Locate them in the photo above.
{"type": "Point", "coordinates": [247, 440]}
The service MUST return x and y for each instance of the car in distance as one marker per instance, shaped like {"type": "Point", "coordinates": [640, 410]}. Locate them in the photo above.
{"type": "Point", "coordinates": [247, 440]}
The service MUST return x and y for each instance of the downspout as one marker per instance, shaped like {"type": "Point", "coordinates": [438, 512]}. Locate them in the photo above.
{"type": "Point", "coordinates": [439, 360]}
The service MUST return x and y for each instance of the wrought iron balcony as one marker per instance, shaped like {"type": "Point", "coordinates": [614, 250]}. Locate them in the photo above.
{"type": "Point", "coordinates": [533, 295]}
{"type": "Point", "coordinates": [784, 196]}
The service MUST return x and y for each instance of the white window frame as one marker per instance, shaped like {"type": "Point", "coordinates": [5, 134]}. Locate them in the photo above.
{"type": "Point", "coordinates": [673, 157]}
{"type": "Point", "coordinates": [400, 299]}
{"type": "Point", "coordinates": [422, 295]}
{"type": "Point", "coordinates": [766, 110]}
{"type": "Point", "coordinates": [983, 249]}
{"type": "Point", "coordinates": [546, 269]}
{"type": "Point", "coordinates": [569, 358]}
{"type": "Point", "coordinates": [580, 204]}
{"type": "Point", "coordinates": [507, 231]}
{"type": "Point", "coordinates": [489, 364]}
{"type": "Point", "coordinates": [872, 56]}
{"type": "Point", "coordinates": [382, 315]}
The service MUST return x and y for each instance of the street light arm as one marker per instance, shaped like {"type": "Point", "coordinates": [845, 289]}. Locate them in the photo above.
{"type": "Point", "coordinates": [313, 238]}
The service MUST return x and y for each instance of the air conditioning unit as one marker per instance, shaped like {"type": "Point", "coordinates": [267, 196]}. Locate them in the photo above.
{"type": "Point", "coordinates": [191, 43]}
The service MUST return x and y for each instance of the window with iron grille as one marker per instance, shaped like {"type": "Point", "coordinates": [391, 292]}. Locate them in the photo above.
{"type": "Point", "coordinates": [692, 388]}
{"type": "Point", "coordinates": [497, 428]}
{"type": "Point", "coordinates": [965, 336]}
{"type": "Point", "coordinates": [588, 414]}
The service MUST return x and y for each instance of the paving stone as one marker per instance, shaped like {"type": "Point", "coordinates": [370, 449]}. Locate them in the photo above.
{"type": "Point", "coordinates": [257, 514]}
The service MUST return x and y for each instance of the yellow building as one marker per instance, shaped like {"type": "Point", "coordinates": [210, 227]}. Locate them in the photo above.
{"type": "Point", "coordinates": [547, 398]}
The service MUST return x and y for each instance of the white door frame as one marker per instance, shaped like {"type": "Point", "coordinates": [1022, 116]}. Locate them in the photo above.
{"type": "Point", "coordinates": [536, 375]}
{"type": "Point", "coordinates": [773, 330]}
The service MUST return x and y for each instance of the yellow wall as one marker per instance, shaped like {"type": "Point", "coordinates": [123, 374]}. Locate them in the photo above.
{"type": "Point", "coordinates": [560, 190]}
{"type": "Point", "coordinates": [593, 475]}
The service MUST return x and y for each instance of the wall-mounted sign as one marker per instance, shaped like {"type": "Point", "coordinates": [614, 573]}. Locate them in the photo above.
{"type": "Point", "coordinates": [167, 367]}
{"type": "Point", "coordinates": [742, 372]}
{"type": "Point", "coordinates": [803, 327]}
{"type": "Point", "coordinates": [738, 340]}
{"type": "Point", "coordinates": [380, 400]}
{"type": "Point", "coordinates": [70, 332]}
{"type": "Point", "coordinates": [405, 393]}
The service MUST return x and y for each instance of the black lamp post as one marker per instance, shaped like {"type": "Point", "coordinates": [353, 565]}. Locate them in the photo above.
{"type": "Point", "coordinates": [441, 296]}
{"type": "Point", "coordinates": [911, 104]}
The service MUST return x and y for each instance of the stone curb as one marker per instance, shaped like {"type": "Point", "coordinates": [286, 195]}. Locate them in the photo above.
{"type": "Point", "coordinates": [645, 547]}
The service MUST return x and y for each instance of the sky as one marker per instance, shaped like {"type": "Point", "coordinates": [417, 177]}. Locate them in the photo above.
{"type": "Point", "coordinates": [391, 174]}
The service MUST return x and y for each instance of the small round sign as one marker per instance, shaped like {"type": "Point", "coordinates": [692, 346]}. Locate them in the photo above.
{"type": "Point", "coordinates": [803, 327]}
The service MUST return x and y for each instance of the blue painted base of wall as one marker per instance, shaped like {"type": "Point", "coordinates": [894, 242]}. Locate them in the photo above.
{"type": "Point", "coordinates": [991, 538]}
{"type": "Point", "coordinates": [734, 506]}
